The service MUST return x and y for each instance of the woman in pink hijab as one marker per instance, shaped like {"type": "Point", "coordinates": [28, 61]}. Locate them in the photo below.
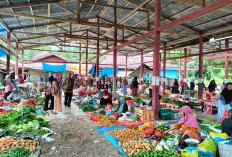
{"type": "Point", "coordinates": [189, 125]}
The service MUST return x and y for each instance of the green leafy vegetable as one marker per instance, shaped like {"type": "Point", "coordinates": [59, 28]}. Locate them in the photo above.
{"type": "Point", "coordinates": [15, 152]}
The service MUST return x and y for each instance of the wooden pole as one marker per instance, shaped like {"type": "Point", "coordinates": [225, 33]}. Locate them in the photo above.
{"type": "Point", "coordinates": [17, 60]}
{"type": "Point", "coordinates": [22, 62]}
{"type": "Point", "coordinates": [164, 69]}
{"type": "Point", "coordinates": [141, 69]}
{"type": "Point", "coordinates": [97, 60]}
{"type": "Point", "coordinates": [226, 60]}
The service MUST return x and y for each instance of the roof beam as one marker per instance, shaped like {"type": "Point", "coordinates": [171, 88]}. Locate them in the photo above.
{"type": "Point", "coordinates": [72, 20]}
{"type": "Point", "coordinates": [212, 7]}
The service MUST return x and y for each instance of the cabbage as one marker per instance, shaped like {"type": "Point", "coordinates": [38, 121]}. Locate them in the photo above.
{"type": "Point", "coordinates": [34, 124]}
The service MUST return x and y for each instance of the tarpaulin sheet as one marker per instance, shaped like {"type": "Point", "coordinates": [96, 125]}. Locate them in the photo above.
{"type": "Point", "coordinates": [2, 53]}
{"type": "Point", "coordinates": [169, 74]}
{"type": "Point", "coordinates": [107, 71]}
{"type": "Point", "coordinates": [54, 68]}
{"type": "Point", "coordinates": [93, 71]}
{"type": "Point", "coordinates": [112, 139]}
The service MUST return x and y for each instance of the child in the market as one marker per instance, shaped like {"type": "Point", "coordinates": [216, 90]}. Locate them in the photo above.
{"type": "Point", "coordinates": [189, 125]}
{"type": "Point", "coordinates": [14, 97]}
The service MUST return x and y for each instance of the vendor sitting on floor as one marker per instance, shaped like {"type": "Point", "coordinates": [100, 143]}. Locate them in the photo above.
{"type": "Point", "coordinates": [14, 97]}
{"type": "Point", "coordinates": [99, 94]}
{"type": "Point", "coordinates": [122, 108]}
{"type": "Point", "coordinates": [106, 99]}
{"type": "Point", "coordinates": [227, 124]}
{"type": "Point", "coordinates": [186, 95]}
{"type": "Point", "coordinates": [189, 125]}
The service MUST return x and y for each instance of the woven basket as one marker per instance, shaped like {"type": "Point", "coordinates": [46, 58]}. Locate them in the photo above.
{"type": "Point", "coordinates": [225, 150]}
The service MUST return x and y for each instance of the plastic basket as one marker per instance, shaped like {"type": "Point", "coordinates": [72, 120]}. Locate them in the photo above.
{"type": "Point", "coordinates": [225, 150]}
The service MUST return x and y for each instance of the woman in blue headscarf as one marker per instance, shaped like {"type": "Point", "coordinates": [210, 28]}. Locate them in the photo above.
{"type": "Point", "coordinates": [122, 108]}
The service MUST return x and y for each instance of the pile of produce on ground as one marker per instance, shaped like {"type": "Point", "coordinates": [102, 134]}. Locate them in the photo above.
{"type": "Point", "coordinates": [107, 121]}
{"type": "Point", "coordinates": [30, 102]}
{"type": "Point", "coordinates": [87, 107]}
{"type": "Point", "coordinates": [10, 143]}
{"type": "Point", "coordinates": [20, 129]}
{"type": "Point", "coordinates": [126, 134]}
{"type": "Point", "coordinates": [133, 147]}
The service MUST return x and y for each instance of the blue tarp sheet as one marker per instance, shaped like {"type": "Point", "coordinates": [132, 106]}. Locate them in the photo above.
{"type": "Point", "coordinates": [54, 68]}
{"type": "Point", "coordinates": [93, 71]}
{"type": "Point", "coordinates": [2, 53]}
{"type": "Point", "coordinates": [107, 71]}
{"type": "Point", "coordinates": [112, 139]}
{"type": "Point", "coordinates": [169, 74]}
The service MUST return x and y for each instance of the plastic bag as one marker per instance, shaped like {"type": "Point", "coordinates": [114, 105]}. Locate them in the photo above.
{"type": "Point", "coordinates": [207, 148]}
{"type": "Point", "coordinates": [108, 107]}
{"type": "Point", "coordinates": [108, 113]}
{"type": "Point", "coordinates": [218, 137]}
{"type": "Point", "coordinates": [148, 130]}
{"type": "Point", "coordinates": [189, 152]}
{"type": "Point", "coordinates": [224, 115]}
{"type": "Point", "coordinates": [142, 126]}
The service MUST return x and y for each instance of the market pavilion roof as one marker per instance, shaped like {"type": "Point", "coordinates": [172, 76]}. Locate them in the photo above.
{"type": "Point", "coordinates": [37, 23]}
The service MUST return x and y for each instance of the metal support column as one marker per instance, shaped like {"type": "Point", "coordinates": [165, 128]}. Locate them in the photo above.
{"type": "Point", "coordinates": [97, 60]}
{"type": "Point", "coordinates": [17, 60]}
{"type": "Point", "coordinates": [156, 56]}
{"type": "Point", "coordinates": [185, 70]}
{"type": "Point", "coordinates": [141, 69]}
{"type": "Point", "coordinates": [126, 68]}
{"type": "Point", "coordinates": [180, 68]}
{"type": "Point", "coordinates": [86, 68]}
{"type": "Point", "coordinates": [164, 69]}
{"type": "Point", "coordinates": [226, 60]}
{"type": "Point", "coordinates": [115, 53]}
{"type": "Point", "coordinates": [80, 61]}
{"type": "Point", "coordinates": [22, 62]}
{"type": "Point", "coordinates": [8, 54]}
{"type": "Point", "coordinates": [212, 70]}
{"type": "Point", "coordinates": [200, 80]}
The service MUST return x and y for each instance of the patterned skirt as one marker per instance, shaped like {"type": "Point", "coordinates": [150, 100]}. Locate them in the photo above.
{"type": "Point", "coordinates": [134, 92]}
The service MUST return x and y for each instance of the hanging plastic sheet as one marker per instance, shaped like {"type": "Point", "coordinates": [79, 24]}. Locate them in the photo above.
{"type": "Point", "coordinates": [2, 53]}
{"type": "Point", "coordinates": [169, 74]}
{"type": "Point", "coordinates": [107, 71]}
{"type": "Point", "coordinates": [54, 68]}
{"type": "Point", "coordinates": [93, 71]}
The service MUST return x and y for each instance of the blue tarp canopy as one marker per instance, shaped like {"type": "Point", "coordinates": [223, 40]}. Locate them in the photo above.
{"type": "Point", "coordinates": [107, 71]}
{"type": "Point", "coordinates": [54, 68]}
{"type": "Point", "coordinates": [2, 53]}
{"type": "Point", "coordinates": [168, 74]}
{"type": "Point", "coordinates": [93, 70]}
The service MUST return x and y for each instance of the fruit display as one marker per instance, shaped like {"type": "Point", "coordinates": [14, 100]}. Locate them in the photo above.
{"type": "Point", "coordinates": [126, 134]}
{"type": "Point", "coordinates": [133, 147]}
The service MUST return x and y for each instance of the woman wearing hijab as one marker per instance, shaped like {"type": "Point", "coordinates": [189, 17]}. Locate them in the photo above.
{"type": "Point", "coordinates": [57, 95]}
{"type": "Point", "coordinates": [188, 124]}
{"type": "Point", "coordinates": [225, 100]}
{"type": "Point", "coordinates": [135, 86]}
{"type": "Point", "coordinates": [14, 96]}
{"type": "Point", "coordinates": [227, 124]}
{"type": "Point", "coordinates": [186, 95]}
{"type": "Point", "coordinates": [212, 86]}
{"type": "Point", "coordinates": [106, 98]}
{"type": "Point", "coordinates": [192, 84]}
{"type": "Point", "coordinates": [9, 87]}
{"type": "Point", "coordinates": [124, 87]}
{"type": "Point", "coordinates": [122, 108]}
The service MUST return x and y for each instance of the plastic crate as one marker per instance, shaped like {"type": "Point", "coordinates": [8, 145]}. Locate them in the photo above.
{"type": "Point", "coordinates": [165, 114]}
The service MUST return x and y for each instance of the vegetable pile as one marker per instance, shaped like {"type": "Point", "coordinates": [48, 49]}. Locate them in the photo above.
{"type": "Point", "coordinates": [137, 100]}
{"type": "Point", "coordinates": [107, 121]}
{"type": "Point", "coordinates": [10, 143]}
{"type": "Point", "coordinates": [163, 127]}
{"type": "Point", "coordinates": [126, 134]}
{"type": "Point", "coordinates": [30, 102]}
{"type": "Point", "coordinates": [15, 152]}
{"type": "Point", "coordinates": [133, 147]}
{"type": "Point", "coordinates": [154, 153]}
{"type": "Point", "coordinates": [87, 107]}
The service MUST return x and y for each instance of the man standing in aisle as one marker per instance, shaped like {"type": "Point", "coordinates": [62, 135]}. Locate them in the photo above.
{"type": "Point", "coordinates": [68, 90]}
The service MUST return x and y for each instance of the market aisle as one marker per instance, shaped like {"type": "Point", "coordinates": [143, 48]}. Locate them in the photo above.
{"type": "Point", "coordinates": [76, 136]}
